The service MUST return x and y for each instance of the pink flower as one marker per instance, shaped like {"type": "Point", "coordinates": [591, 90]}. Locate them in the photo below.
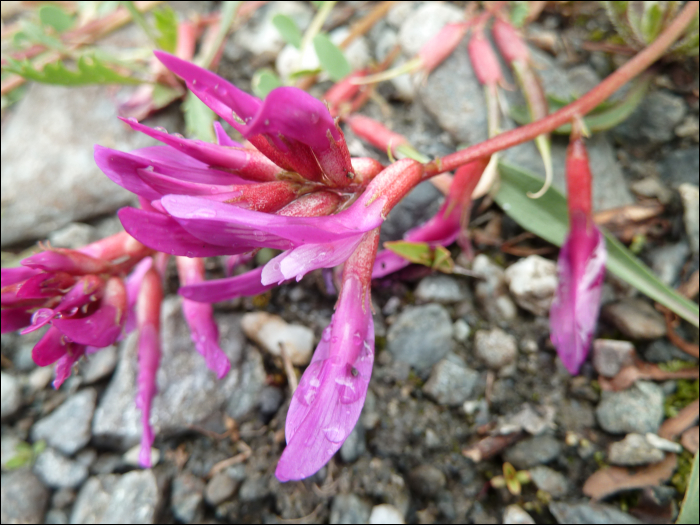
{"type": "Point", "coordinates": [581, 266]}
{"type": "Point", "coordinates": [327, 403]}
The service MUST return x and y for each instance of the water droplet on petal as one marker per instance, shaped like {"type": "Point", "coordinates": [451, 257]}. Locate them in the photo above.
{"type": "Point", "coordinates": [178, 135]}
{"type": "Point", "coordinates": [326, 334]}
{"type": "Point", "coordinates": [349, 388]}
{"type": "Point", "coordinates": [357, 338]}
{"type": "Point", "coordinates": [161, 129]}
{"type": "Point", "coordinates": [259, 236]}
{"type": "Point", "coordinates": [132, 119]}
{"type": "Point", "coordinates": [334, 434]}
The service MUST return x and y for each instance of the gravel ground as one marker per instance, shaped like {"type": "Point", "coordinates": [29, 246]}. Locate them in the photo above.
{"type": "Point", "coordinates": [458, 358]}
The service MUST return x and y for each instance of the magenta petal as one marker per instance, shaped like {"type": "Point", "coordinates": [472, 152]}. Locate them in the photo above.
{"type": "Point", "coordinates": [164, 185]}
{"type": "Point", "coordinates": [121, 168]}
{"type": "Point", "coordinates": [14, 319]}
{"type": "Point", "coordinates": [163, 233]}
{"type": "Point", "coordinates": [133, 284]}
{"type": "Point", "coordinates": [149, 357]}
{"type": "Point", "coordinates": [388, 262]}
{"type": "Point", "coordinates": [50, 348]}
{"type": "Point", "coordinates": [101, 328]}
{"type": "Point", "coordinates": [223, 224]}
{"type": "Point", "coordinates": [222, 137]}
{"type": "Point", "coordinates": [64, 366]}
{"type": "Point", "coordinates": [327, 403]}
{"type": "Point", "coordinates": [574, 312]}
{"type": "Point", "coordinates": [294, 114]}
{"type": "Point", "coordinates": [16, 275]}
{"type": "Point", "coordinates": [205, 335]}
{"type": "Point", "coordinates": [40, 318]}
{"type": "Point", "coordinates": [221, 96]}
{"type": "Point", "coordinates": [246, 284]}
{"type": "Point", "coordinates": [42, 285]}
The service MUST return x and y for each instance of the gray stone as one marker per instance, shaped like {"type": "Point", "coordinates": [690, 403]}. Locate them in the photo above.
{"type": "Point", "coordinates": [653, 122]}
{"type": "Point", "coordinates": [610, 356]}
{"type": "Point", "coordinates": [56, 517]}
{"type": "Point", "coordinates": [439, 288]}
{"type": "Point", "coordinates": [461, 330]}
{"type": "Point", "coordinates": [220, 488]}
{"type": "Point", "coordinates": [348, 508]}
{"type": "Point", "coordinates": [187, 496]}
{"type": "Point", "coordinates": [354, 445]}
{"type": "Point", "coordinates": [652, 188]}
{"type": "Point", "coordinates": [57, 471]}
{"type": "Point", "coordinates": [426, 480]}
{"type": "Point", "coordinates": [667, 261]}
{"type": "Point", "coordinates": [635, 318]}
{"type": "Point", "coordinates": [638, 409]}
{"type": "Point", "coordinates": [99, 365]}
{"type": "Point", "coordinates": [63, 498]}
{"type": "Point", "coordinates": [255, 487]}
{"type": "Point", "coordinates": [634, 450]}
{"type": "Point", "coordinates": [691, 213]}
{"type": "Point", "coordinates": [271, 398]}
{"type": "Point", "coordinates": [680, 166]}
{"type": "Point", "coordinates": [552, 482]}
{"type": "Point", "coordinates": [533, 451]}
{"type": "Point", "coordinates": [421, 336]}
{"type": "Point", "coordinates": [533, 420]}
{"type": "Point", "coordinates": [451, 382]}
{"type": "Point", "coordinates": [75, 235]}
{"type": "Point", "coordinates": [585, 513]}
{"type": "Point", "coordinates": [10, 395]}
{"type": "Point", "coordinates": [514, 515]}
{"type": "Point", "coordinates": [93, 499]}
{"type": "Point", "coordinates": [49, 174]}
{"type": "Point", "coordinates": [662, 350]}
{"type": "Point", "coordinates": [188, 392]}
{"type": "Point", "coordinates": [23, 497]}
{"type": "Point", "coordinates": [495, 347]}
{"type": "Point", "coordinates": [68, 427]}
{"type": "Point", "coordinates": [491, 290]}
{"type": "Point", "coordinates": [385, 514]}
{"type": "Point", "coordinates": [424, 23]}
{"type": "Point", "coordinates": [416, 208]}
{"type": "Point", "coordinates": [532, 282]}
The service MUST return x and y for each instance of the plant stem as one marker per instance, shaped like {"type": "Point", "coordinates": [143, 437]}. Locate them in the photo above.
{"type": "Point", "coordinates": [576, 109]}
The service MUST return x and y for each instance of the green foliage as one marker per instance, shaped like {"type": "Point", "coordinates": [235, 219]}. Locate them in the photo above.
{"type": "Point", "coordinates": [55, 17]}
{"type": "Point", "coordinates": [288, 29]}
{"type": "Point", "coordinates": [264, 81]}
{"type": "Point", "coordinates": [31, 33]}
{"type": "Point", "coordinates": [199, 119]}
{"type": "Point", "coordinates": [690, 511]}
{"type": "Point", "coordinates": [25, 454]}
{"type": "Point", "coordinates": [331, 58]}
{"type": "Point", "coordinates": [437, 258]}
{"type": "Point", "coordinates": [686, 392]}
{"type": "Point", "coordinates": [90, 70]}
{"type": "Point", "coordinates": [547, 217]}
{"type": "Point", "coordinates": [518, 13]}
{"type": "Point", "coordinates": [165, 20]}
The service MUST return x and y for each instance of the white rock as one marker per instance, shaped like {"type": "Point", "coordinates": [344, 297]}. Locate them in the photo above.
{"type": "Point", "coordinates": [270, 331]}
{"type": "Point", "coordinates": [663, 444]}
{"type": "Point", "coordinates": [385, 513]}
{"type": "Point", "coordinates": [515, 515]}
{"type": "Point", "coordinates": [532, 282]}
{"type": "Point", "coordinates": [461, 330]}
{"type": "Point", "coordinates": [11, 395]}
{"type": "Point", "coordinates": [261, 36]}
{"type": "Point", "coordinates": [131, 456]}
{"type": "Point", "coordinates": [424, 23]}
{"type": "Point", "coordinates": [690, 197]}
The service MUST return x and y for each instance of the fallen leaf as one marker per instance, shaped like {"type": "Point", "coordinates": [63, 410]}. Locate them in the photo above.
{"type": "Point", "coordinates": [611, 480]}
{"type": "Point", "coordinates": [490, 446]}
{"type": "Point", "coordinates": [689, 439]}
{"type": "Point", "coordinates": [626, 377]}
{"type": "Point", "coordinates": [675, 426]}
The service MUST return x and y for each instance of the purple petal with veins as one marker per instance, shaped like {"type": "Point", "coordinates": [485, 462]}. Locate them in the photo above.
{"type": "Point", "coordinates": [295, 263]}
{"type": "Point", "coordinates": [327, 403]}
{"type": "Point", "coordinates": [574, 312]}
{"type": "Point", "coordinates": [216, 290]}
{"type": "Point", "coordinates": [163, 233]}
{"type": "Point", "coordinates": [227, 225]}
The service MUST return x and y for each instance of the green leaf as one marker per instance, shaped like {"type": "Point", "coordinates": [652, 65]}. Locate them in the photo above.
{"type": "Point", "coordinates": [89, 71]}
{"type": "Point", "coordinates": [164, 95]}
{"type": "Point", "coordinates": [264, 81]}
{"type": "Point", "coordinates": [288, 29]}
{"type": "Point", "coordinates": [438, 258]}
{"type": "Point", "coordinates": [199, 119]}
{"type": "Point", "coordinates": [35, 34]}
{"type": "Point", "coordinates": [518, 13]}
{"type": "Point", "coordinates": [165, 20]}
{"type": "Point", "coordinates": [547, 217]}
{"type": "Point", "coordinates": [304, 73]}
{"type": "Point", "coordinates": [54, 16]}
{"type": "Point", "coordinates": [331, 58]}
{"type": "Point", "coordinates": [652, 20]}
{"type": "Point", "coordinates": [689, 511]}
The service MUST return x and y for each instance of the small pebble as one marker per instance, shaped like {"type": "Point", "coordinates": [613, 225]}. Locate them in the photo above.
{"type": "Point", "coordinates": [633, 451]}
{"type": "Point", "coordinates": [495, 347]}
{"type": "Point", "coordinates": [691, 206]}
{"type": "Point", "coordinates": [131, 456]}
{"type": "Point", "coordinates": [638, 409]}
{"type": "Point", "coordinates": [533, 451]}
{"type": "Point", "coordinates": [461, 330]}
{"type": "Point", "coordinates": [610, 356]}
{"type": "Point", "coordinates": [552, 482]}
{"type": "Point", "coordinates": [426, 480]}
{"type": "Point", "coordinates": [451, 382]}
{"type": "Point", "coordinates": [10, 395]}
{"type": "Point", "coordinates": [385, 514]}
{"type": "Point", "coordinates": [270, 331]}
{"type": "Point", "coordinates": [665, 445]}
{"type": "Point", "coordinates": [532, 282]}
{"type": "Point", "coordinates": [635, 318]}
{"type": "Point", "coordinates": [57, 471]}
{"type": "Point", "coordinates": [220, 488]}
{"type": "Point", "coordinates": [515, 515]}
{"type": "Point", "coordinates": [440, 288]}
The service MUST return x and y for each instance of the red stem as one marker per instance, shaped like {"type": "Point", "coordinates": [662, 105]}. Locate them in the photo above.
{"type": "Point", "coordinates": [576, 109]}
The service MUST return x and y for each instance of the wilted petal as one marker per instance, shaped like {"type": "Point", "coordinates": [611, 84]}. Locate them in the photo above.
{"type": "Point", "coordinates": [163, 233]}
{"type": "Point", "coordinates": [216, 290]}
{"type": "Point", "coordinates": [295, 263]}
{"type": "Point", "coordinates": [327, 403]}
{"type": "Point", "coordinates": [574, 312]}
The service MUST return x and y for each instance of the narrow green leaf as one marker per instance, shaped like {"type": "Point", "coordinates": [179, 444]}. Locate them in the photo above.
{"type": "Point", "coordinates": [165, 20]}
{"type": "Point", "coordinates": [331, 58]}
{"type": "Point", "coordinates": [304, 73]}
{"type": "Point", "coordinates": [288, 29]}
{"type": "Point", "coordinates": [518, 13]}
{"type": "Point", "coordinates": [264, 81]}
{"type": "Point", "coordinates": [690, 512]}
{"type": "Point", "coordinates": [547, 217]}
{"type": "Point", "coordinates": [416, 252]}
{"type": "Point", "coordinates": [652, 20]}
{"type": "Point", "coordinates": [54, 16]}
{"type": "Point", "coordinates": [89, 71]}
{"type": "Point", "coordinates": [35, 34]}
{"type": "Point", "coordinates": [199, 119]}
